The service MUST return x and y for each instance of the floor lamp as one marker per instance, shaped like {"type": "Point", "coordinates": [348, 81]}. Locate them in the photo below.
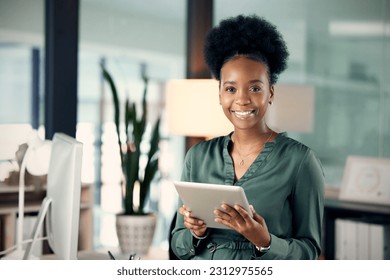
{"type": "Point", "coordinates": [193, 108]}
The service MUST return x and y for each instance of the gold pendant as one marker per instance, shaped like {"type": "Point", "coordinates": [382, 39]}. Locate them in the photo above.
{"type": "Point", "coordinates": [242, 162]}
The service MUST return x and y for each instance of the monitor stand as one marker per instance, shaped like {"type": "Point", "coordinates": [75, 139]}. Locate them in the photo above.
{"type": "Point", "coordinates": [43, 211]}
{"type": "Point", "coordinates": [25, 254]}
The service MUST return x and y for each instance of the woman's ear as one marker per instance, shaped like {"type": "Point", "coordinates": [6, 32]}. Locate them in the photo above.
{"type": "Point", "coordinates": [271, 94]}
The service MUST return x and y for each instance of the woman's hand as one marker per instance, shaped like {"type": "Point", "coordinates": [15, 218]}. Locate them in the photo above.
{"type": "Point", "coordinates": [237, 218]}
{"type": "Point", "coordinates": [197, 226]}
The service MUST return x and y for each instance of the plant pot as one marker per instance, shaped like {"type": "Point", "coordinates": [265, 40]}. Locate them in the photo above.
{"type": "Point", "coordinates": [135, 233]}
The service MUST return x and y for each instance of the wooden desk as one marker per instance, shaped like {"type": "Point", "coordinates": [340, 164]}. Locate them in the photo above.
{"type": "Point", "coordinates": [335, 208]}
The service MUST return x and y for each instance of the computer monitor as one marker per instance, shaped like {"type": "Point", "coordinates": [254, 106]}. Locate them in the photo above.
{"type": "Point", "coordinates": [61, 206]}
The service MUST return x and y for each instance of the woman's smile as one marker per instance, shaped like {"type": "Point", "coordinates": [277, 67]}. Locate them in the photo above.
{"type": "Point", "coordinates": [244, 114]}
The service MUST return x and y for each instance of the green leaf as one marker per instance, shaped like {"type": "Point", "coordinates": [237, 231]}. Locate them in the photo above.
{"type": "Point", "coordinates": [132, 176]}
{"type": "Point", "coordinates": [128, 119]}
{"type": "Point", "coordinates": [115, 98]}
{"type": "Point", "coordinates": [144, 104]}
{"type": "Point", "coordinates": [150, 171]}
{"type": "Point", "coordinates": [151, 167]}
{"type": "Point", "coordinates": [137, 133]}
{"type": "Point", "coordinates": [155, 139]}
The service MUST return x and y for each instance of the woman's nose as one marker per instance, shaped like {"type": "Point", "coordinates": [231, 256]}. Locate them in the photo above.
{"type": "Point", "coordinates": [242, 98]}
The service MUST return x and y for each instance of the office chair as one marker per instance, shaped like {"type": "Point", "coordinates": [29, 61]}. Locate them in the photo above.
{"type": "Point", "coordinates": [172, 255]}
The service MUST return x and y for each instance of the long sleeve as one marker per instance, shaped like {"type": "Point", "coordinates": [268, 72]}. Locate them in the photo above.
{"type": "Point", "coordinates": [307, 213]}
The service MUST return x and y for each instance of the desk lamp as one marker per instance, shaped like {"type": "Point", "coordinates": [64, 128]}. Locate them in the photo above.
{"type": "Point", "coordinates": [36, 161]}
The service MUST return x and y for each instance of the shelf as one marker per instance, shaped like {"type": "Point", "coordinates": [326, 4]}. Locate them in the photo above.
{"type": "Point", "coordinates": [33, 200]}
{"type": "Point", "coordinates": [334, 209]}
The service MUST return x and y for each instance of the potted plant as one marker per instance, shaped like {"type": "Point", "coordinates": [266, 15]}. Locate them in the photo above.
{"type": "Point", "coordinates": [136, 241]}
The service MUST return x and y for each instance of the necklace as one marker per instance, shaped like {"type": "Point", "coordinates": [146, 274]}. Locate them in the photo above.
{"type": "Point", "coordinates": [242, 162]}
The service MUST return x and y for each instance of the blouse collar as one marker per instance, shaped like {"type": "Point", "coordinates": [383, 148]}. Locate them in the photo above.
{"type": "Point", "coordinates": [258, 162]}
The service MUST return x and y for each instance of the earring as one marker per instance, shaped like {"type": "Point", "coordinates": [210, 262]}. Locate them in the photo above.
{"type": "Point", "coordinates": [270, 103]}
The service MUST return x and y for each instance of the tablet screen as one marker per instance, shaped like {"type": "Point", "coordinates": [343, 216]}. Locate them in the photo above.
{"type": "Point", "coordinates": [202, 199]}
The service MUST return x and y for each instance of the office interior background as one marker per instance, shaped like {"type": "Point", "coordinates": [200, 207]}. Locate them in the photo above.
{"type": "Point", "coordinates": [341, 47]}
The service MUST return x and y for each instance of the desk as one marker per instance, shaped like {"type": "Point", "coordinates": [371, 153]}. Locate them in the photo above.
{"type": "Point", "coordinates": [335, 208]}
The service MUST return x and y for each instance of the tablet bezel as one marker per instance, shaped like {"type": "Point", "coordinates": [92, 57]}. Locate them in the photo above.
{"type": "Point", "coordinates": [203, 198]}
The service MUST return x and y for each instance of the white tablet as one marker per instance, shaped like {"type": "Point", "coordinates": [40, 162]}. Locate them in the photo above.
{"type": "Point", "coordinates": [202, 199]}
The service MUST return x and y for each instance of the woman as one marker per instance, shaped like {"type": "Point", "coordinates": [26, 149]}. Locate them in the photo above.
{"type": "Point", "coordinates": [282, 178]}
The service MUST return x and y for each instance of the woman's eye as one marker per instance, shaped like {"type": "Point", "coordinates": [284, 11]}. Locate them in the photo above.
{"type": "Point", "coordinates": [255, 89]}
{"type": "Point", "coordinates": [230, 89]}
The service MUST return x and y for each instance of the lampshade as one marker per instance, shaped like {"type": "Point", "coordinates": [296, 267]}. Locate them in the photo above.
{"type": "Point", "coordinates": [292, 109]}
{"type": "Point", "coordinates": [193, 108]}
{"type": "Point", "coordinates": [38, 156]}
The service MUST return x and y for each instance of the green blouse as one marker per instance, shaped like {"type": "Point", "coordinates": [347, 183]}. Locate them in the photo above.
{"type": "Point", "coordinates": [284, 184]}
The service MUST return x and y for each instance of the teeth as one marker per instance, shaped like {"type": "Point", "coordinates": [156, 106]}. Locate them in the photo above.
{"type": "Point", "coordinates": [243, 113]}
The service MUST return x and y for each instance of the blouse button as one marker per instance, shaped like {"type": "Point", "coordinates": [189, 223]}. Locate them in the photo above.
{"type": "Point", "coordinates": [212, 247]}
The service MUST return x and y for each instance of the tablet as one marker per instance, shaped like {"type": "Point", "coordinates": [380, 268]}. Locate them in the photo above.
{"type": "Point", "coordinates": [202, 199]}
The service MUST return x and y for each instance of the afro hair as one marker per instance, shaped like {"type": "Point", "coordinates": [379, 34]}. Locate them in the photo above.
{"type": "Point", "coordinates": [250, 36]}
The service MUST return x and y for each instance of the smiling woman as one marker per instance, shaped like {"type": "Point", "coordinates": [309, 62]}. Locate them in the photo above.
{"type": "Point", "coordinates": [281, 177]}
{"type": "Point", "coordinates": [245, 92]}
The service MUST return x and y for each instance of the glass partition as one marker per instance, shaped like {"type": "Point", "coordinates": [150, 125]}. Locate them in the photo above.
{"type": "Point", "coordinates": [341, 47]}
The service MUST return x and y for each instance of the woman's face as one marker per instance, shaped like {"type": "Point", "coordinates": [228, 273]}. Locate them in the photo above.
{"type": "Point", "coordinates": [245, 92]}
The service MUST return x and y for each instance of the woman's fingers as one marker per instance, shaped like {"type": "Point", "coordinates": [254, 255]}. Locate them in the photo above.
{"type": "Point", "coordinates": [228, 216]}
{"type": "Point", "coordinates": [193, 226]}
{"type": "Point", "coordinates": [257, 217]}
{"type": "Point", "coordinates": [243, 213]}
{"type": "Point", "coordinates": [193, 221]}
{"type": "Point", "coordinates": [183, 210]}
{"type": "Point", "coordinates": [189, 221]}
{"type": "Point", "coordinates": [224, 215]}
{"type": "Point", "coordinates": [229, 213]}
